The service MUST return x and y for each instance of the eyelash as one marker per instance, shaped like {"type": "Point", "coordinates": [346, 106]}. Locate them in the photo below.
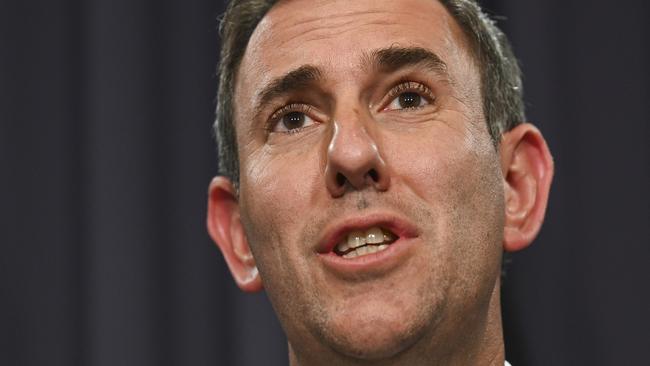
{"type": "Point", "coordinates": [280, 113]}
{"type": "Point", "coordinates": [402, 87]}
{"type": "Point", "coordinates": [411, 86]}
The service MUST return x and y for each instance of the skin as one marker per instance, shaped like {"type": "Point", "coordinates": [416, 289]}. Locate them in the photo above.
{"type": "Point", "coordinates": [434, 166]}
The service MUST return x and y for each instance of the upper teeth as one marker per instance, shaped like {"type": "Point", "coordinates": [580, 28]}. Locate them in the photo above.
{"type": "Point", "coordinates": [356, 239]}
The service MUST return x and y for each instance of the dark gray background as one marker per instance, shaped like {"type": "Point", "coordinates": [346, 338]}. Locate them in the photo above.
{"type": "Point", "coordinates": [106, 154]}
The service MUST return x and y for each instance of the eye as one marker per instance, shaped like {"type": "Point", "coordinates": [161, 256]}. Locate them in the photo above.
{"type": "Point", "coordinates": [407, 100]}
{"type": "Point", "coordinates": [409, 95]}
{"type": "Point", "coordinates": [291, 118]}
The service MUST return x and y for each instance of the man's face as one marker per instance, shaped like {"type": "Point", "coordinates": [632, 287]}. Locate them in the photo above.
{"type": "Point", "coordinates": [377, 124]}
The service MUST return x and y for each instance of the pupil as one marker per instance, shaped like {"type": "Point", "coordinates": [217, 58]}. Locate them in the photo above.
{"type": "Point", "coordinates": [293, 120]}
{"type": "Point", "coordinates": [409, 100]}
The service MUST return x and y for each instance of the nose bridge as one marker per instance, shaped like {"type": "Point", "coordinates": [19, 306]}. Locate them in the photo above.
{"type": "Point", "coordinates": [353, 155]}
{"type": "Point", "coordinates": [351, 138]}
{"type": "Point", "coordinates": [351, 125]}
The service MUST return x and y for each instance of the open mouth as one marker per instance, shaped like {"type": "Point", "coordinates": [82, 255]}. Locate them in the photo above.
{"type": "Point", "coordinates": [359, 243]}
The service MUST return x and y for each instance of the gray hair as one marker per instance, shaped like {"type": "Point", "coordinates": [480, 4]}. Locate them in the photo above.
{"type": "Point", "coordinates": [501, 87]}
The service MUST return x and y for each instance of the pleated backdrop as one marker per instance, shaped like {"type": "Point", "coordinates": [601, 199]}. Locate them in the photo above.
{"type": "Point", "coordinates": [106, 153]}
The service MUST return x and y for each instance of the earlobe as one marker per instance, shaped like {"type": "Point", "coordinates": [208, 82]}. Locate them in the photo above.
{"type": "Point", "coordinates": [226, 229]}
{"type": "Point", "coordinates": [527, 168]}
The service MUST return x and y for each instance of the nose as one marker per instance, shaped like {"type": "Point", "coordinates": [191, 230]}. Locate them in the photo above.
{"type": "Point", "coordinates": [354, 161]}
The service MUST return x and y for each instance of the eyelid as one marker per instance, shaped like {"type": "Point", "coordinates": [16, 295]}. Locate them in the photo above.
{"type": "Point", "coordinates": [282, 111]}
{"type": "Point", "coordinates": [276, 117]}
{"type": "Point", "coordinates": [409, 86]}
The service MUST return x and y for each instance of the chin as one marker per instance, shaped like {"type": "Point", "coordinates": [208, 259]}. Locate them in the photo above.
{"type": "Point", "coordinates": [375, 335]}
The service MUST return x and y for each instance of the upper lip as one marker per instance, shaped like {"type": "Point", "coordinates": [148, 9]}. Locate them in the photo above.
{"type": "Point", "coordinates": [337, 231]}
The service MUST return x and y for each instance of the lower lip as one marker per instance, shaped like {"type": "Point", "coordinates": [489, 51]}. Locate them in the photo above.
{"type": "Point", "coordinates": [378, 262]}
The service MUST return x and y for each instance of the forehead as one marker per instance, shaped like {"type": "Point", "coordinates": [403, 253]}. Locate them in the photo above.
{"type": "Point", "coordinates": [335, 35]}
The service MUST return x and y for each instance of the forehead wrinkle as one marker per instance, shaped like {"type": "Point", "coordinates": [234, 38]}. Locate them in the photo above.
{"type": "Point", "coordinates": [351, 26]}
{"type": "Point", "coordinates": [313, 9]}
{"type": "Point", "coordinates": [332, 26]}
{"type": "Point", "coordinates": [342, 15]}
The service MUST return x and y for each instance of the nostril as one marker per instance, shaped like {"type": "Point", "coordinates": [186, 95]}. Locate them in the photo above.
{"type": "Point", "coordinates": [340, 179]}
{"type": "Point", "coordinates": [374, 175]}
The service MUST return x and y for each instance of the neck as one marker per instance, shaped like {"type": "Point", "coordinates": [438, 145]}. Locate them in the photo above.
{"type": "Point", "coordinates": [478, 340]}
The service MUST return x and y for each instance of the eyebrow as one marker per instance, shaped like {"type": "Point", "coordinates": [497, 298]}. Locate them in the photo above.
{"type": "Point", "coordinates": [385, 60]}
{"type": "Point", "coordinates": [394, 58]}
{"type": "Point", "coordinates": [297, 79]}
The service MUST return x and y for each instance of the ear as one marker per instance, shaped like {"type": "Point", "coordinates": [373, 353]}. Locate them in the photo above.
{"type": "Point", "coordinates": [225, 228]}
{"type": "Point", "coordinates": [527, 168]}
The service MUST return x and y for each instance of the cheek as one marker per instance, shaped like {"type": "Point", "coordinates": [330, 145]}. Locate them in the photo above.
{"type": "Point", "coordinates": [459, 178]}
{"type": "Point", "coordinates": [432, 167]}
{"type": "Point", "coordinates": [277, 186]}
{"type": "Point", "coordinates": [274, 193]}
{"type": "Point", "coordinates": [276, 201]}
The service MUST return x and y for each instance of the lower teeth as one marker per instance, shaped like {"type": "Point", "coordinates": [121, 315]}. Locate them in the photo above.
{"type": "Point", "coordinates": [365, 250]}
